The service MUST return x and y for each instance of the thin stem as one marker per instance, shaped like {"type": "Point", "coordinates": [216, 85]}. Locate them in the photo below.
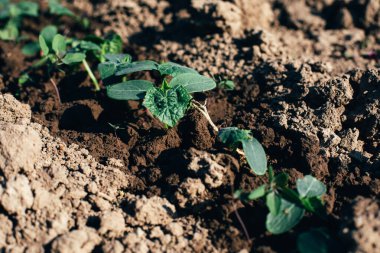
{"type": "Point", "coordinates": [91, 74]}
{"type": "Point", "coordinates": [203, 110]}
{"type": "Point", "coordinates": [241, 222]}
{"type": "Point", "coordinates": [56, 90]}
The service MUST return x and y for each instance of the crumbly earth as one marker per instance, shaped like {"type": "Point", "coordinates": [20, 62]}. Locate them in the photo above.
{"type": "Point", "coordinates": [63, 199]}
{"type": "Point", "coordinates": [307, 85]}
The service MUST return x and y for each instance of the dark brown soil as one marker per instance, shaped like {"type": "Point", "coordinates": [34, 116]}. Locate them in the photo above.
{"type": "Point", "coordinates": [307, 85]}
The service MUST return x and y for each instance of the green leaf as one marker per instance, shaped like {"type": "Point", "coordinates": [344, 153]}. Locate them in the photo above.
{"type": "Point", "coordinates": [31, 49]}
{"type": "Point", "coordinates": [232, 136]}
{"type": "Point", "coordinates": [48, 34]}
{"type": "Point", "coordinates": [309, 186]}
{"type": "Point", "coordinates": [28, 9]}
{"type": "Point", "coordinates": [24, 78]}
{"type": "Point", "coordinates": [273, 203]}
{"type": "Point", "coordinates": [313, 204]}
{"type": "Point", "coordinates": [255, 156]}
{"type": "Point", "coordinates": [291, 195]}
{"type": "Point", "coordinates": [174, 69]}
{"type": "Point", "coordinates": [288, 217]}
{"type": "Point", "coordinates": [127, 68]}
{"type": "Point", "coordinates": [129, 90]}
{"type": "Point", "coordinates": [314, 241]}
{"type": "Point", "coordinates": [106, 69]}
{"type": "Point", "coordinates": [55, 7]}
{"type": "Point", "coordinates": [168, 106]}
{"type": "Point", "coordinates": [10, 31]}
{"type": "Point", "coordinates": [71, 58]}
{"type": "Point", "coordinates": [118, 58]}
{"type": "Point", "coordinates": [193, 82]}
{"type": "Point", "coordinates": [281, 180]}
{"type": "Point", "coordinates": [89, 46]}
{"type": "Point", "coordinates": [44, 47]}
{"type": "Point", "coordinates": [227, 85]}
{"type": "Point", "coordinates": [113, 44]}
{"type": "Point", "coordinates": [59, 45]}
{"type": "Point", "coordinates": [258, 192]}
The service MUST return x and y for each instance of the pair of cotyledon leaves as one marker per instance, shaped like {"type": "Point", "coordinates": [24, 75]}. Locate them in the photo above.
{"type": "Point", "coordinates": [285, 213]}
{"type": "Point", "coordinates": [52, 43]}
{"type": "Point", "coordinates": [170, 103]}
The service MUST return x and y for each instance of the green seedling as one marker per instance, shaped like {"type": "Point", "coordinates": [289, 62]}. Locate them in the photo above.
{"type": "Point", "coordinates": [234, 137]}
{"type": "Point", "coordinates": [287, 206]}
{"type": "Point", "coordinates": [12, 14]}
{"type": "Point", "coordinates": [169, 102]}
{"type": "Point", "coordinates": [58, 50]}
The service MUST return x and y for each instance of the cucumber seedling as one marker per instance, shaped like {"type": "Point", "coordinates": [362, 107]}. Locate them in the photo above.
{"type": "Point", "coordinates": [12, 14]}
{"type": "Point", "coordinates": [58, 51]}
{"type": "Point", "coordinates": [169, 102]}
{"type": "Point", "coordinates": [287, 206]}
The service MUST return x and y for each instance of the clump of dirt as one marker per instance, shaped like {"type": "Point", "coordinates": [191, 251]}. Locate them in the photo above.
{"type": "Point", "coordinates": [64, 200]}
{"type": "Point", "coordinates": [361, 225]}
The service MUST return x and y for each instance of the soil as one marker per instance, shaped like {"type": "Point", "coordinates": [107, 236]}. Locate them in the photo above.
{"type": "Point", "coordinates": [307, 77]}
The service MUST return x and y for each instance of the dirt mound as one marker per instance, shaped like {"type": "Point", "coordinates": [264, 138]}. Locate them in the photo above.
{"type": "Point", "coordinates": [361, 225]}
{"type": "Point", "coordinates": [59, 197]}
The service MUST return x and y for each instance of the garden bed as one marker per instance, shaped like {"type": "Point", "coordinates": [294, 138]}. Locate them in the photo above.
{"type": "Point", "coordinates": [307, 84]}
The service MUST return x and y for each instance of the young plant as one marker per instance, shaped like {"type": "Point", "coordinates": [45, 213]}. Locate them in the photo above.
{"type": "Point", "coordinates": [287, 206]}
{"type": "Point", "coordinates": [12, 14]}
{"type": "Point", "coordinates": [57, 50]}
{"type": "Point", "coordinates": [169, 102]}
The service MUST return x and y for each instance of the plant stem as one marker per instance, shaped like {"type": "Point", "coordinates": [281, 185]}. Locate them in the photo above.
{"type": "Point", "coordinates": [91, 75]}
{"type": "Point", "coordinates": [203, 110]}
{"type": "Point", "coordinates": [56, 90]}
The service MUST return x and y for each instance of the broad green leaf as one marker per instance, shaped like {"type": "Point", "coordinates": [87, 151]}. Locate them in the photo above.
{"type": "Point", "coordinates": [168, 106]}
{"type": "Point", "coordinates": [314, 241]}
{"type": "Point", "coordinates": [48, 34]}
{"type": "Point", "coordinates": [255, 156]}
{"type": "Point", "coordinates": [232, 136]}
{"type": "Point", "coordinates": [127, 68]}
{"type": "Point", "coordinates": [193, 82]}
{"type": "Point", "coordinates": [106, 69]}
{"type": "Point", "coordinates": [273, 203]}
{"type": "Point", "coordinates": [118, 58]}
{"type": "Point", "coordinates": [44, 47]}
{"type": "Point", "coordinates": [257, 193]}
{"type": "Point", "coordinates": [281, 180]}
{"type": "Point", "coordinates": [309, 186]}
{"type": "Point", "coordinates": [71, 58]}
{"type": "Point", "coordinates": [28, 9]}
{"type": "Point", "coordinates": [31, 49]}
{"type": "Point", "coordinates": [129, 90]}
{"type": "Point", "coordinates": [288, 217]}
{"type": "Point", "coordinates": [174, 69]}
{"type": "Point", "coordinates": [55, 7]}
{"type": "Point", "coordinates": [59, 44]}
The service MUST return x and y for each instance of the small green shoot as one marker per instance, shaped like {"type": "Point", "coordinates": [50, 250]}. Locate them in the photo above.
{"type": "Point", "coordinates": [286, 206]}
{"type": "Point", "coordinates": [316, 240]}
{"type": "Point", "coordinates": [13, 13]}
